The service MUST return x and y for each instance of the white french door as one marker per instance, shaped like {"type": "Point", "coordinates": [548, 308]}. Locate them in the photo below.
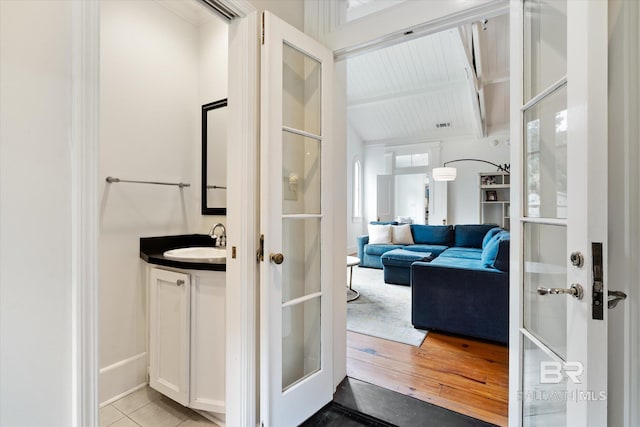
{"type": "Point", "coordinates": [559, 258]}
{"type": "Point", "coordinates": [296, 221]}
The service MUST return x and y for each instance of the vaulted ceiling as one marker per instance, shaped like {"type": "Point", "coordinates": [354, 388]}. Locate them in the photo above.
{"type": "Point", "coordinates": [453, 84]}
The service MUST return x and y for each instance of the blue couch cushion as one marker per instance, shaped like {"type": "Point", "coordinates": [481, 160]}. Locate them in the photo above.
{"type": "Point", "coordinates": [465, 253]}
{"type": "Point", "coordinates": [379, 249]}
{"type": "Point", "coordinates": [471, 235]}
{"type": "Point", "coordinates": [489, 235]}
{"type": "Point", "coordinates": [502, 259]}
{"type": "Point", "coordinates": [461, 263]}
{"type": "Point", "coordinates": [403, 258]}
{"type": "Point", "coordinates": [494, 249]}
{"type": "Point", "coordinates": [432, 234]}
{"type": "Point", "coordinates": [384, 222]}
{"type": "Point", "coordinates": [435, 250]}
{"type": "Point", "coordinates": [490, 252]}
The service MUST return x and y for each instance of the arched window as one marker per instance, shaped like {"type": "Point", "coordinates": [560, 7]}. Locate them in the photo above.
{"type": "Point", "coordinates": [357, 189]}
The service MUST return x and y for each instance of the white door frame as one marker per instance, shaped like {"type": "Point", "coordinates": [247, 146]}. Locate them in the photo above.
{"type": "Point", "coordinates": [242, 213]}
{"type": "Point", "coordinates": [242, 296]}
{"type": "Point", "coordinates": [85, 140]}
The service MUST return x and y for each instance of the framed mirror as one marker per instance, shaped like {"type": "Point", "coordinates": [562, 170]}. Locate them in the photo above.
{"type": "Point", "coordinates": [214, 158]}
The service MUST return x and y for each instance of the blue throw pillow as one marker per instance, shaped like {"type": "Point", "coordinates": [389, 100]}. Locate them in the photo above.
{"type": "Point", "coordinates": [489, 236]}
{"type": "Point", "coordinates": [384, 222]}
{"type": "Point", "coordinates": [502, 258]}
{"type": "Point", "coordinates": [490, 252]}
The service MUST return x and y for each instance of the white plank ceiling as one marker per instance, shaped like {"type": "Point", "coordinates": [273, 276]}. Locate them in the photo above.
{"type": "Point", "coordinates": [424, 89]}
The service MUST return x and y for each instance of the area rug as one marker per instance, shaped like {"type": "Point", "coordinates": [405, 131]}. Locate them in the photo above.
{"type": "Point", "coordinates": [382, 310]}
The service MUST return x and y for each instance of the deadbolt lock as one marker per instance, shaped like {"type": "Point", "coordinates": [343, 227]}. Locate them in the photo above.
{"type": "Point", "coordinates": [577, 260]}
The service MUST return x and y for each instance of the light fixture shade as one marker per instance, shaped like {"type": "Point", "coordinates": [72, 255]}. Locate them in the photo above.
{"type": "Point", "coordinates": [444, 174]}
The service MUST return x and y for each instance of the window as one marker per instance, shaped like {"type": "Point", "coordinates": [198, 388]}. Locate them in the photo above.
{"type": "Point", "coordinates": [357, 189]}
{"type": "Point", "coordinates": [411, 160]}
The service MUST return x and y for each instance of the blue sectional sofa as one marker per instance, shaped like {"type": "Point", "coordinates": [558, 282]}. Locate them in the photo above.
{"type": "Point", "coordinates": [463, 293]}
{"type": "Point", "coordinates": [434, 239]}
{"type": "Point", "coordinates": [459, 277]}
{"type": "Point", "coordinates": [430, 241]}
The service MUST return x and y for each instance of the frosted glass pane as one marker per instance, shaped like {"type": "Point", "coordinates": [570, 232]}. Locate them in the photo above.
{"type": "Point", "coordinates": [546, 157]}
{"type": "Point", "coordinates": [300, 341]}
{"type": "Point", "coordinates": [301, 249]}
{"type": "Point", "coordinates": [300, 174]}
{"type": "Point", "coordinates": [543, 404]}
{"type": "Point", "coordinates": [545, 255]}
{"type": "Point", "coordinates": [545, 55]}
{"type": "Point", "coordinates": [301, 91]}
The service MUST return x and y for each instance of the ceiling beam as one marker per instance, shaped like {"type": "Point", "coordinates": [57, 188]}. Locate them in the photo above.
{"type": "Point", "coordinates": [479, 76]}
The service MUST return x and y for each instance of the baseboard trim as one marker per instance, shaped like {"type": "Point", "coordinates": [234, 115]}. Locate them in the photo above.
{"type": "Point", "coordinates": [213, 416]}
{"type": "Point", "coordinates": [120, 396]}
{"type": "Point", "coordinates": [122, 378]}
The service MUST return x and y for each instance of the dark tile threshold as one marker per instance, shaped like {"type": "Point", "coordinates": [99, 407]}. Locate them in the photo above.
{"type": "Point", "coordinates": [377, 406]}
{"type": "Point", "coordinates": [335, 415]}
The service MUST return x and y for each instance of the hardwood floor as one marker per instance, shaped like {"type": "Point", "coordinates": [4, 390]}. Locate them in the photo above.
{"type": "Point", "coordinates": [460, 374]}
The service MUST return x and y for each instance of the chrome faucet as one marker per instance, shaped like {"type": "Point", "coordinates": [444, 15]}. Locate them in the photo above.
{"type": "Point", "coordinates": [222, 240]}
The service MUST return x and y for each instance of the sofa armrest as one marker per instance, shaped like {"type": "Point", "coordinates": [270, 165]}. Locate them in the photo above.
{"type": "Point", "coordinates": [361, 240]}
{"type": "Point", "coordinates": [466, 301]}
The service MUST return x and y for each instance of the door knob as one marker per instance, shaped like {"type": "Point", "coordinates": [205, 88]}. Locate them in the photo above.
{"type": "Point", "coordinates": [575, 291]}
{"type": "Point", "coordinates": [614, 298]}
{"type": "Point", "coordinates": [277, 258]}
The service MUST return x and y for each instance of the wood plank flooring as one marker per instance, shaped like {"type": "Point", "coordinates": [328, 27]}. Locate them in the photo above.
{"type": "Point", "coordinates": [460, 374]}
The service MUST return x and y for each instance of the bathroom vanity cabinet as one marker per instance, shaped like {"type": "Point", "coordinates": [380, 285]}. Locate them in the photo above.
{"type": "Point", "coordinates": [187, 336]}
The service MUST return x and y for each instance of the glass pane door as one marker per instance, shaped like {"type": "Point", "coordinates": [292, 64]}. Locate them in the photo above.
{"type": "Point", "coordinates": [301, 216]}
{"type": "Point", "coordinates": [543, 222]}
{"type": "Point", "coordinates": [296, 370]}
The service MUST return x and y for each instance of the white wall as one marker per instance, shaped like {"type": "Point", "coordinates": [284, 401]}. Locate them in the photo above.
{"type": "Point", "coordinates": [154, 79]}
{"type": "Point", "coordinates": [624, 213]}
{"type": "Point", "coordinates": [35, 214]}
{"type": "Point", "coordinates": [355, 226]}
{"type": "Point", "coordinates": [463, 194]}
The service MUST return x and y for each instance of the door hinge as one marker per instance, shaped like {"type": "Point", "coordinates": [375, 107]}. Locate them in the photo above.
{"type": "Point", "coordinates": [262, 32]}
{"type": "Point", "coordinates": [260, 252]}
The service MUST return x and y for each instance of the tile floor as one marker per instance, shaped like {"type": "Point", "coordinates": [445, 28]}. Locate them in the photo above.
{"type": "Point", "coordinates": [148, 408]}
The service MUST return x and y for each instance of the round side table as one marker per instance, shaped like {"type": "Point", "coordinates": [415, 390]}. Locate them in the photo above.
{"type": "Point", "coordinates": [352, 294]}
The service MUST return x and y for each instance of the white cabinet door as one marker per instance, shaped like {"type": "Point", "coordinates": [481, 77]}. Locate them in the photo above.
{"type": "Point", "coordinates": [207, 388]}
{"type": "Point", "coordinates": [169, 334]}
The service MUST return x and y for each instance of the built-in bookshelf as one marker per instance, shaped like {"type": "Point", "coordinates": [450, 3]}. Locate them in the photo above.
{"type": "Point", "coordinates": [495, 200]}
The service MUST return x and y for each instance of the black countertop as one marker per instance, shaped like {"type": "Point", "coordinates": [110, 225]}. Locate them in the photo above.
{"type": "Point", "coordinates": [152, 248]}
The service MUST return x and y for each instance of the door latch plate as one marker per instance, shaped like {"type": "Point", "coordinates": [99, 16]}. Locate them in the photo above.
{"type": "Point", "coordinates": [597, 303]}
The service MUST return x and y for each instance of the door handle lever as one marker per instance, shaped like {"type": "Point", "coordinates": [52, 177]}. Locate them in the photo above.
{"type": "Point", "coordinates": [575, 291]}
{"type": "Point", "coordinates": [614, 298]}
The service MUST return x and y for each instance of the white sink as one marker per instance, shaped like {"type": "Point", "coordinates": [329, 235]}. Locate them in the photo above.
{"type": "Point", "coordinates": [198, 254]}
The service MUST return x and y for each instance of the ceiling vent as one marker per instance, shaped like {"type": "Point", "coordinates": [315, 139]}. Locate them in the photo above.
{"type": "Point", "coordinates": [443, 125]}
